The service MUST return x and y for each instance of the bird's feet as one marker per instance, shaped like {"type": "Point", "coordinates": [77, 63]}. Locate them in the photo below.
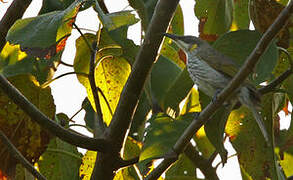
{"type": "Point", "coordinates": [214, 99]}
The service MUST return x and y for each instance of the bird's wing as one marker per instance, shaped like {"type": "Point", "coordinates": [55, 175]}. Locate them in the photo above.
{"type": "Point", "coordinates": [215, 60]}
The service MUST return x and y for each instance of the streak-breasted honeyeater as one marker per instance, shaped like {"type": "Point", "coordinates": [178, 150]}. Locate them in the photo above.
{"type": "Point", "coordinates": [211, 71]}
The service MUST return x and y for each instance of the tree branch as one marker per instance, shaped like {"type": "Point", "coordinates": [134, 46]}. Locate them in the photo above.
{"type": "Point", "coordinates": [21, 159]}
{"type": "Point", "coordinates": [120, 123]}
{"type": "Point", "coordinates": [13, 13]}
{"type": "Point", "coordinates": [140, 70]}
{"type": "Point", "coordinates": [245, 70]}
{"type": "Point", "coordinates": [48, 124]}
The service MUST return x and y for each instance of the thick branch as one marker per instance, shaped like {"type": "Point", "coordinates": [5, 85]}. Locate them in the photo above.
{"type": "Point", "coordinates": [21, 159]}
{"type": "Point", "coordinates": [245, 70]}
{"type": "Point", "coordinates": [46, 123]}
{"type": "Point", "coordinates": [140, 70]}
{"type": "Point", "coordinates": [13, 13]}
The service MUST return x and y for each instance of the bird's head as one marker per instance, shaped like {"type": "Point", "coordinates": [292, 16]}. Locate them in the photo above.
{"type": "Point", "coordinates": [186, 43]}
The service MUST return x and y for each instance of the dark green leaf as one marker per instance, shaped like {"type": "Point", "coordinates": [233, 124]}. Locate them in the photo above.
{"type": "Point", "coordinates": [162, 78]}
{"type": "Point", "coordinates": [54, 5]}
{"type": "Point", "coordinates": [145, 10]}
{"type": "Point", "coordinates": [89, 114]}
{"type": "Point", "coordinates": [215, 128]}
{"type": "Point", "coordinates": [44, 35]}
{"type": "Point", "coordinates": [178, 91]}
{"type": "Point", "coordinates": [140, 117]}
{"type": "Point", "coordinates": [239, 44]}
{"type": "Point", "coordinates": [162, 133]}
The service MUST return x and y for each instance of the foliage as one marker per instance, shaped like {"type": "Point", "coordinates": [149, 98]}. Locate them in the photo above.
{"type": "Point", "coordinates": [33, 52]}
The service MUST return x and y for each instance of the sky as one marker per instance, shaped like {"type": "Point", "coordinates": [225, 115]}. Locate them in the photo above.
{"type": "Point", "coordinates": [68, 93]}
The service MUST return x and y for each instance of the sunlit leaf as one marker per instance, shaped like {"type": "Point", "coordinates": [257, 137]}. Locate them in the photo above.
{"type": "Point", "coordinates": [192, 103]}
{"type": "Point", "coordinates": [87, 165]}
{"type": "Point", "coordinates": [111, 72]}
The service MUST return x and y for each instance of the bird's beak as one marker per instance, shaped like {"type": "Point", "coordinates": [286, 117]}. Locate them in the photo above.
{"type": "Point", "coordinates": [171, 36]}
{"type": "Point", "coordinates": [178, 40]}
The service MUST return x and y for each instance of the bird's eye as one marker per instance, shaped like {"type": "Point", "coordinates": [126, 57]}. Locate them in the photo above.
{"type": "Point", "coordinates": [193, 47]}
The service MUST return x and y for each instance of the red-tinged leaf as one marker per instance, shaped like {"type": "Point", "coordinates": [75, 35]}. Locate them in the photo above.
{"type": "Point", "coordinates": [202, 34]}
{"type": "Point", "coordinates": [45, 35]}
{"type": "Point", "coordinates": [216, 16]}
{"type": "Point", "coordinates": [285, 108]}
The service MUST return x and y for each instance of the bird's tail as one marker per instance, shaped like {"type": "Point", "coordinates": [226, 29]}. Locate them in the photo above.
{"type": "Point", "coordinates": [251, 99]}
{"type": "Point", "coordinates": [260, 123]}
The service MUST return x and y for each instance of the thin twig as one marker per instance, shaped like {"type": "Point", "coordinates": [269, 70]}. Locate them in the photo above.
{"type": "Point", "coordinates": [94, 89]}
{"type": "Point", "coordinates": [65, 64]}
{"type": "Point", "coordinates": [83, 36]}
{"type": "Point", "coordinates": [62, 75]}
{"type": "Point", "coordinates": [21, 159]}
{"type": "Point", "coordinates": [238, 79]}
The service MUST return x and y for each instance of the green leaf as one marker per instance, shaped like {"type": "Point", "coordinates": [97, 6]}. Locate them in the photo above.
{"type": "Point", "coordinates": [44, 35]}
{"type": "Point", "coordinates": [162, 133]}
{"type": "Point", "coordinates": [60, 161]}
{"type": "Point", "coordinates": [115, 20]}
{"type": "Point", "coordinates": [89, 114]}
{"type": "Point", "coordinates": [177, 23]}
{"type": "Point", "coordinates": [217, 15]}
{"type": "Point", "coordinates": [54, 5]}
{"type": "Point", "coordinates": [239, 44]}
{"type": "Point", "coordinates": [140, 117]}
{"type": "Point", "coordinates": [215, 128]}
{"type": "Point", "coordinates": [145, 10]}
{"type": "Point", "coordinates": [129, 48]}
{"type": "Point", "coordinates": [162, 77]}
{"type": "Point", "coordinates": [178, 90]}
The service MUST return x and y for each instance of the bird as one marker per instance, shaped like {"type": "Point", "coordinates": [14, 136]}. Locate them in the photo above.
{"type": "Point", "coordinates": [211, 71]}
